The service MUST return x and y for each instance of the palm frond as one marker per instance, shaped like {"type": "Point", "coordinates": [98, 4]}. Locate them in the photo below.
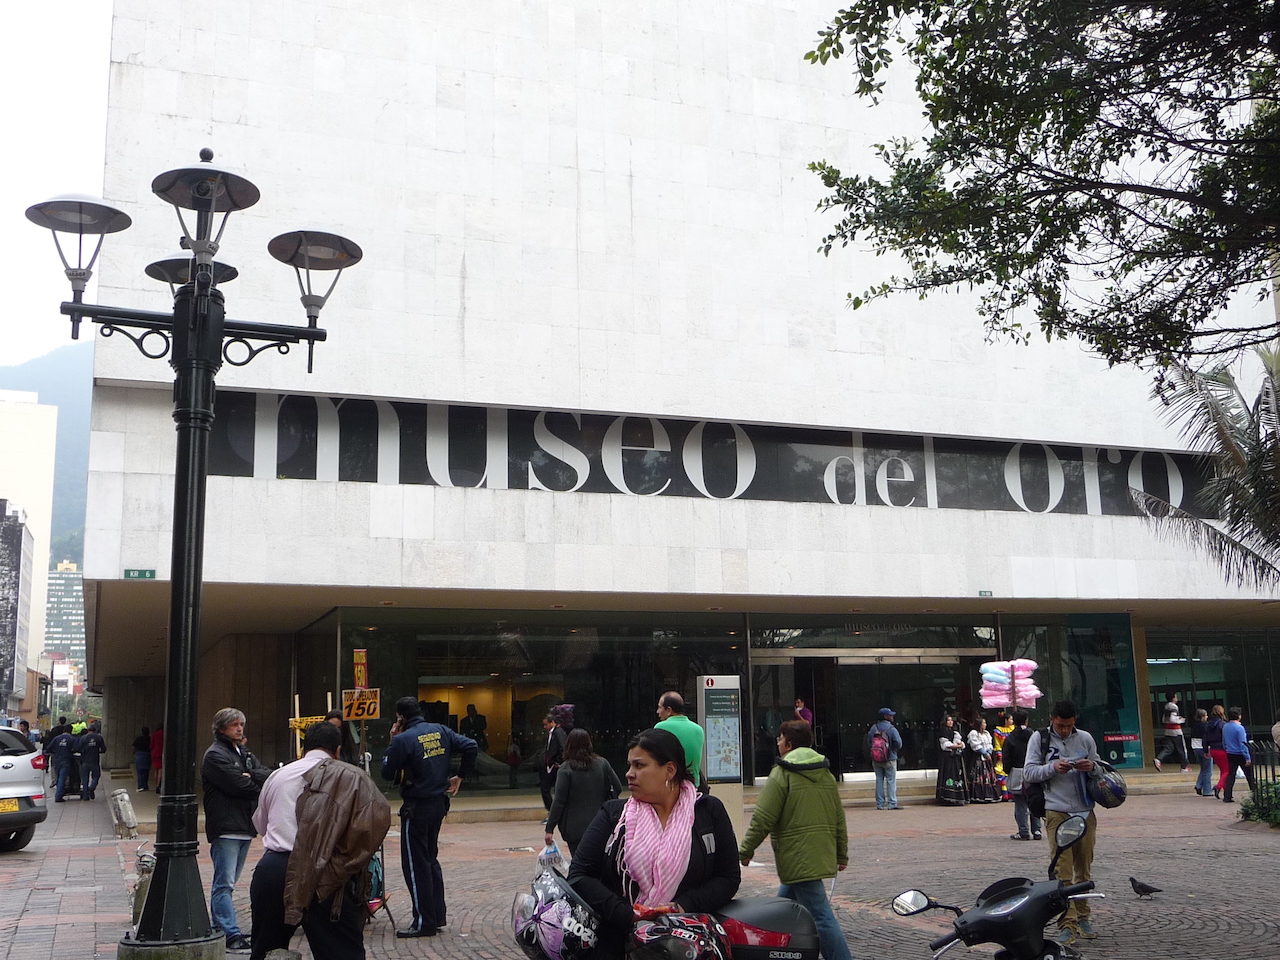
{"type": "Point", "coordinates": [1213, 413]}
{"type": "Point", "coordinates": [1240, 563]}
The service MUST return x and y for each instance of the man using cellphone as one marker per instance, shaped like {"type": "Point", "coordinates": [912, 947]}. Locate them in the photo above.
{"type": "Point", "coordinates": [1063, 765]}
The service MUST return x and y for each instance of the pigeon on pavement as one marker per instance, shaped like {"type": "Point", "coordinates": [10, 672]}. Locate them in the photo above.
{"type": "Point", "coordinates": [1143, 889]}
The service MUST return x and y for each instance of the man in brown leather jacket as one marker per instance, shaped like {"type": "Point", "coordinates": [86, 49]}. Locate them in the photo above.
{"type": "Point", "coordinates": [333, 811]}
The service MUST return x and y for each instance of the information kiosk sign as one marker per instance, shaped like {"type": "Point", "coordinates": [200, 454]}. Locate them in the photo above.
{"type": "Point", "coordinates": [720, 713]}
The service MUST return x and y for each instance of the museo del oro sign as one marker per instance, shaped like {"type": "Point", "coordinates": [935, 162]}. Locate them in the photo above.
{"type": "Point", "coordinates": [382, 441]}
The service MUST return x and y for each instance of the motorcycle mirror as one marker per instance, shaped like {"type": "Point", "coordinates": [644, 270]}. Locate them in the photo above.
{"type": "Point", "coordinates": [1070, 832]}
{"type": "Point", "coordinates": [911, 902]}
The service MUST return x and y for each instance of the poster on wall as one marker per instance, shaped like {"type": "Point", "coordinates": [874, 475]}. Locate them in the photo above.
{"type": "Point", "coordinates": [720, 710]}
{"type": "Point", "coordinates": [1101, 677]}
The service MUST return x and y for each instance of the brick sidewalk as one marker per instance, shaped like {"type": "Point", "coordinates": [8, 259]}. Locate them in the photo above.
{"type": "Point", "coordinates": [67, 895]}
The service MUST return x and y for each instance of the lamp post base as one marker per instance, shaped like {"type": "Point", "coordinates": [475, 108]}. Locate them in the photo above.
{"type": "Point", "coordinates": [212, 947]}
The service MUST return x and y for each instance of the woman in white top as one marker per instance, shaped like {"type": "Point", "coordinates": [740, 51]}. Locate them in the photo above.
{"type": "Point", "coordinates": [951, 787]}
{"type": "Point", "coordinates": [981, 769]}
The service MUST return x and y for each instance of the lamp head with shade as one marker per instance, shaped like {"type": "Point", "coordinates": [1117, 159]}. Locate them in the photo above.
{"type": "Point", "coordinates": [314, 250]}
{"type": "Point", "coordinates": [83, 215]}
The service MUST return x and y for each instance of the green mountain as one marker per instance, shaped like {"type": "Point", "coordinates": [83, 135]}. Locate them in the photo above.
{"type": "Point", "coordinates": [63, 379]}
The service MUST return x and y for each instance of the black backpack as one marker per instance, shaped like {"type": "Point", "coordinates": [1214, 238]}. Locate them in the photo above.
{"type": "Point", "coordinates": [1033, 793]}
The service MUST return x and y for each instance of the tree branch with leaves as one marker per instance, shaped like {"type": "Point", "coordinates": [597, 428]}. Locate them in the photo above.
{"type": "Point", "coordinates": [1108, 170]}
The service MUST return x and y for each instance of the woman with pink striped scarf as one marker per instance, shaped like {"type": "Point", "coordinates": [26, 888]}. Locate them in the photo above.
{"type": "Point", "coordinates": [667, 849]}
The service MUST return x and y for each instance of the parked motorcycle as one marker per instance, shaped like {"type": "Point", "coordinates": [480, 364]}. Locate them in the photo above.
{"type": "Point", "coordinates": [1011, 913]}
{"type": "Point", "coordinates": [769, 928]}
{"type": "Point", "coordinates": [553, 923]}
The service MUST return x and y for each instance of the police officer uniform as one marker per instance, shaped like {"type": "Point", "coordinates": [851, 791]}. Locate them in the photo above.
{"type": "Point", "coordinates": [418, 757]}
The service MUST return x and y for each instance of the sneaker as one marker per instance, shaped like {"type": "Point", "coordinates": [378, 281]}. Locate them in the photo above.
{"type": "Point", "coordinates": [1064, 936]}
{"type": "Point", "coordinates": [238, 944]}
{"type": "Point", "coordinates": [1185, 770]}
{"type": "Point", "coordinates": [1018, 836]}
{"type": "Point", "coordinates": [1086, 930]}
{"type": "Point", "coordinates": [1037, 836]}
{"type": "Point", "coordinates": [1158, 765]}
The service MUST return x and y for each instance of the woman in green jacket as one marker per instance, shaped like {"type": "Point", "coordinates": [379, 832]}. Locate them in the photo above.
{"type": "Point", "coordinates": [800, 810]}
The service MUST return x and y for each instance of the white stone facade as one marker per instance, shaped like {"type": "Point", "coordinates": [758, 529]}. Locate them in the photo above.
{"type": "Point", "coordinates": [581, 207]}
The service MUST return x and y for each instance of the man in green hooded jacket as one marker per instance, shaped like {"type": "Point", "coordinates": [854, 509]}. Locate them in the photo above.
{"type": "Point", "coordinates": [800, 810]}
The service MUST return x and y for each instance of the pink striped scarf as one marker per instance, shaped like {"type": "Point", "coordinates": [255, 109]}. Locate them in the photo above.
{"type": "Point", "coordinates": [656, 857]}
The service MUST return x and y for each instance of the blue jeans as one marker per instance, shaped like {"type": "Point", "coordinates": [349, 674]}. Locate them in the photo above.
{"type": "Point", "coordinates": [812, 895]}
{"type": "Point", "coordinates": [1027, 824]}
{"type": "Point", "coordinates": [886, 784]}
{"type": "Point", "coordinates": [228, 860]}
{"type": "Point", "coordinates": [142, 766]}
{"type": "Point", "coordinates": [1204, 782]}
{"type": "Point", "coordinates": [90, 774]}
{"type": "Point", "coordinates": [61, 774]}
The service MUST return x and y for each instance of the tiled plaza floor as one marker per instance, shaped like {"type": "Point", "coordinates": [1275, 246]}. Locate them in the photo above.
{"type": "Point", "coordinates": [67, 895]}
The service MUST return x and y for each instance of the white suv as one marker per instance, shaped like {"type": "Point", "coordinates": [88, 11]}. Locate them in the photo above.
{"type": "Point", "coordinates": [22, 800]}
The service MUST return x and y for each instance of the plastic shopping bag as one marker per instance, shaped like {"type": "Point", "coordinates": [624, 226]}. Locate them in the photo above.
{"type": "Point", "coordinates": [552, 859]}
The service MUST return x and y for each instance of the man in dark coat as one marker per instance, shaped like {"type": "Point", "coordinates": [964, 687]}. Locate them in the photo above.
{"type": "Point", "coordinates": [92, 747]}
{"type": "Point", "coordinates": [1015, 758]}
{"type": "Point", "coordinates": [552, 756]}
{"type": "Point", "coordinates": [60, 749]}
{"type": "Point", "coordinates": [232, 778]}
{"type": "Point", "coordinates": [418, 758]}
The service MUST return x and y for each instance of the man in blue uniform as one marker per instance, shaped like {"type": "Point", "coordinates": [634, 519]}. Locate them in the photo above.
{"type": "Point", "coordinates": [60, 748]}
{"type": "Point", "coordinates": [92, 747]}
{"type": "Point", "coordinates": [418, 758]}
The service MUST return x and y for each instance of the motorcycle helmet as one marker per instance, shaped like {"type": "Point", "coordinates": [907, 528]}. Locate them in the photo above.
{"type": "Point", "coordinates": [679, 936]}
{"type": "Point", "coordinates": [552, 922]}
{"type": "Point", "coordinates": [1106, 786]}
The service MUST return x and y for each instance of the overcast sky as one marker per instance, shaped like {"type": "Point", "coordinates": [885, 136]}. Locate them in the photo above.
{"type": "Point", "coordinates": [54, 66]}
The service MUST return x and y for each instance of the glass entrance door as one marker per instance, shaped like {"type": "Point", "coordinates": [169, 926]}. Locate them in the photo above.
{"type": "Point", "coordinates": [921, 694]}
{"type": "Point", "coordinates": [846, 694]}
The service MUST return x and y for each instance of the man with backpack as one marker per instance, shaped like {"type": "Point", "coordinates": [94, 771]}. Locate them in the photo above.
{"type": "Point", "coordinates": [1063, 764]}
{"type": "Point", "coordinates": [883, 743]}
{"type": "Point", "coordinates": [1015, 757]}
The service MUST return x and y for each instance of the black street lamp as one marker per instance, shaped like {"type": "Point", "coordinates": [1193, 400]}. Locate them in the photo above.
{"type": "Point", "coordinates": [197, 338]}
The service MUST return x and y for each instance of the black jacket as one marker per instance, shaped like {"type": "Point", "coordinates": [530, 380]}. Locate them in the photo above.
{"type": "Point", "coordinates": [62, 747]}
{"type": "Point", "coordinates": [230, 797]}
{"type": "Point", "coordinates": [1015, 748]}
{"type": "Point", "coordinates": [1213, 733]}
{"type": "Point", "coordinates": [710, 882]}
{"type": "Point", "coordinates": [92, 746]}
{"type": "Point", "coordinates": [553, 752]}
